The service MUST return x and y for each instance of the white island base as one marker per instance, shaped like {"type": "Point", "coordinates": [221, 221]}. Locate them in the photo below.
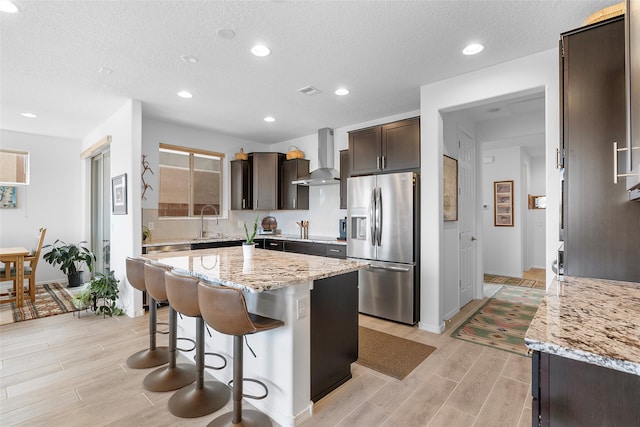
{"type": "Point", "coordinates": [283, 354]}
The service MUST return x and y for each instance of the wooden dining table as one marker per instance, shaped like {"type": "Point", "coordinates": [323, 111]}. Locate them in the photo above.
{"type": "Point", "coordinates": [15, 255]}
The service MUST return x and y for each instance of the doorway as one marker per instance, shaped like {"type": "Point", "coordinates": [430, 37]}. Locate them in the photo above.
{"type": "Point", "coordinates": [507, 135]}
{"type": "Point", "coordinates": [100, 211]}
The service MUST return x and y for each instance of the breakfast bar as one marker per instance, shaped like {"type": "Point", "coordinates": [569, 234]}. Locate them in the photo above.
{"type": "Point", "coordinates": [307, 358]}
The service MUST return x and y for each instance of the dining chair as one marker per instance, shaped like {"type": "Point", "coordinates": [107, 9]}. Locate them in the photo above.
{"type": "Point", "coordinates": [8, 272]}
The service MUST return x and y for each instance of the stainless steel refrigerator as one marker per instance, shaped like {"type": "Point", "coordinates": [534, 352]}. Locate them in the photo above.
{"type": "Point", "coordinates": [383, 227]}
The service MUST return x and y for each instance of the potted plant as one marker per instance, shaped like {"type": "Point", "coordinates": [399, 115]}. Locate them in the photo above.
{"type": "Point", "coordinates": [248, 246]}
{"type": "Point", "coordinates": [70, 257]}
{"type": "Point", "coordinates": [102, 292]}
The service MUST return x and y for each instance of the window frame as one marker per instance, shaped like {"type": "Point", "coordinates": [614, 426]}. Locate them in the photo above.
{"type": "Point", "coordinates": [27, 171]}
{"type": "Point", "coordinates": [192, 152]}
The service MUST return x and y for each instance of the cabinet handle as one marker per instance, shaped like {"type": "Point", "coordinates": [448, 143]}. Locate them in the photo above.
{"type": "Point", "coordinates": [378, 162]}
{"type": "Point", "coordinates": [273, 244]}
{"type": "Point", "coordinates": [243, 203]}
{"type": "Point", "coordinates": [557, 158]}
{"type": "Point", "coordinates": [335, 250]}
{"type": "Point", "coordinates": [294, 203]}
{"type": "Point", "coordinates": [617, 175]}
{"type": "Point", "coordinates": [384, 162]}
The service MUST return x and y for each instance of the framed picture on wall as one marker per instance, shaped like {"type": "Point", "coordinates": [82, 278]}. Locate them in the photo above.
{"type": "Point", "coordinates": [8, 197]}
{"type": "Point", "coordinates": [503, 203]}
{"type": "Point", "coordinates": [450, 188]}
{"type": "Point", "coordinates": [119, 194]}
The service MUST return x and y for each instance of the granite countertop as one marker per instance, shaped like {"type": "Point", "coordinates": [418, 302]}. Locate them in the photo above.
{"type": "Point", "coordinates": [267, 270]}
{"type": "Point", "coordinates": [591, 320]}
{"type": "Point", "coordinates": [231, 238]}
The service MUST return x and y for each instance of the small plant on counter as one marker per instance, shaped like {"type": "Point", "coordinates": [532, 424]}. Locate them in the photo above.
{"type": "Point", "coordinates": [103, 292]}
{"type": "Point", "coordinates": [251, 236]}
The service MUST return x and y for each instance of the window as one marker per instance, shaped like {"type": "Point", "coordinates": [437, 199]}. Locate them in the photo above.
{"type": "Point", "coordinates": [14, 167]}
{"type": "Point", "coordinates": [190, 181]}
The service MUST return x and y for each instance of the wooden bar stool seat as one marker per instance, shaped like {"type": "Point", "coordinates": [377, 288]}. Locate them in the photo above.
{"type": "Point", "coordinates": [203, 397]}
{"type": "Point", "coordinates": [175, 375]}
{"type": "Point", "coordinates": [225, 310]}
{"type": "Point", "coordinates": [152, 356]}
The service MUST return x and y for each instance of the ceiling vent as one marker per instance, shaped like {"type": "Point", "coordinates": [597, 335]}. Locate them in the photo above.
{"type": "Point", "coordinates": [309, 90]}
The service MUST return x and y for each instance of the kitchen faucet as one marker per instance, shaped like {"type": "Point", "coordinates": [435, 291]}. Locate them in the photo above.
{"type": "Point", "coordinates": [202, 218]}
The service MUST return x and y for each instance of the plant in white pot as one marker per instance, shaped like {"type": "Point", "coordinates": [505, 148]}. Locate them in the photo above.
{"type": "Point", "coordinates": [248, 246]}
{"type": "Point", "coordinates": [70, 257]}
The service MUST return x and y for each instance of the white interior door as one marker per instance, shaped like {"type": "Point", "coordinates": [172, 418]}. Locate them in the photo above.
{"type": "Point", "coordinates": [466, 216]}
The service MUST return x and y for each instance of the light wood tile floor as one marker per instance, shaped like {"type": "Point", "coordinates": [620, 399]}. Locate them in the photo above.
{"type": "Point", "coordinates": [68, 371]}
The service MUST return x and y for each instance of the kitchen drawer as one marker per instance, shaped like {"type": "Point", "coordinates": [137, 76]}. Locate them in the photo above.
{"type": "Point", "coordinates": [274, 245]}
{"type": "Point", "coordinates": [336, 251]}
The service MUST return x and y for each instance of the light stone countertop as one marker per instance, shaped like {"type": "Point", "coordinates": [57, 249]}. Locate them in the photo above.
{"type": "Point", "coordinates": [266, 270]}
{"type": "Point", "coordinates": [590, 320]}
{"type": "Point", "coordinates": [231, 238]}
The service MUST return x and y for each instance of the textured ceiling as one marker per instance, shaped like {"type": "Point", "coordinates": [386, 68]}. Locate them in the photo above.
{"type": "Point", "coordinates": [383, 51]}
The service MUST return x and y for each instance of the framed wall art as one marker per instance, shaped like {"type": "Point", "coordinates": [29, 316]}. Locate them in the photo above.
{"type": "Point", "coordinates": [450, 188]}
{"type": "Point", "coordinates": [8, 197]}
{"type": "Point", "coordinates": [119, 194]}
{"type": "Point", "coordinates": [503, 203]}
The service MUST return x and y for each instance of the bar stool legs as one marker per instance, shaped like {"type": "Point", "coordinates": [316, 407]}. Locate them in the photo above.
{"type": "Point", "coordinates": [239, 416]}
{"type": "Point", "coordinates": [152, 356]}
{"type": "Point", "coordinates": [174, 376]}
{"type": "Point", "coordinates": [204, 397]}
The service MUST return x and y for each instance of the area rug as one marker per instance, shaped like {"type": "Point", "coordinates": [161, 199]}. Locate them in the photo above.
{"type": "Point", "coordinates": [503, 320]}
{"type": "Point", "coordinates": [388, 354]}
{"type": "Point", "coordinates": [51, 299]}
{"type": "Point", "coordinates": [513, 281]}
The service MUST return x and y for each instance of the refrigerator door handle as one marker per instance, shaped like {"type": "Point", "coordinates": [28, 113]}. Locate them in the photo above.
{"type": "Point", "coordinates": [378, 215]}
{"type": "Point", "coordinates": [377, 267]}
{"type": "Point", "coordinates": [372, 214]}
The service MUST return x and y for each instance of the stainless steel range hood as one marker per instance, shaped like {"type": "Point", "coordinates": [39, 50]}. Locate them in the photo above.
{"type": "Point", "coordinates": [325, 174]}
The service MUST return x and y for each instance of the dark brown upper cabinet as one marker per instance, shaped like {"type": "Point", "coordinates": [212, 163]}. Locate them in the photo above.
{"type": "Point", "coordinates": [344, 175]}
{"type": "Point", "coordinates": [294, 196]}
{"type": "Point", "coordinates": [266, 180]}
{"type": "Point", "coordinates": [241, 177]}
{"type": "Point", "coordinates": [601, 225]}
{"type": "Point", "coordinates": [385, 148]}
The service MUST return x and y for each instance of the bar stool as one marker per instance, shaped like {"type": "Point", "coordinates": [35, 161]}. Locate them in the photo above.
{"type": "Point", "coordinates": [176, 375]}
{"type": "Point", "coordinates": [225, 309]}
{"type": "Point", "coordinates": [152, 356]}
{"type": "Point", "coordinates": [203, 397]}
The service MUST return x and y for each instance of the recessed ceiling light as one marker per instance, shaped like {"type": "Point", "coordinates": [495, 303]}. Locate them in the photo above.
{"type": "Point", "coordinates": [29, 115]}
{"type": "Point", "coordinates": [7, 6]}
{"type": "Point", "coordinates": [260, 50]}
{"type": "Point", "coordinates": [473, 49]}
{"type": "Point", "coordinates": [185, 94]}
{"type": "Point", "coordinates": [189, 58]}
{"type": "Point", "coordinates": [226, 33]}
{"type": "Point", "coordinates": [342, 91]}
{"type": "Point", "coordinates": [269, 119]}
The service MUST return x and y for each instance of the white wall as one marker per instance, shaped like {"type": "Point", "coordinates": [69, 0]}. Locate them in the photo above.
{"type": "Point", "coordinates": [536, 218]}
{"type": "Point", "coordinates": [503, 245]}
{"type": "Point", "coordinates": [530, 73]}
{"type": "Point", "coordinates": [51, 200]}
{"type": "Point", "coordinates": [124, 126]}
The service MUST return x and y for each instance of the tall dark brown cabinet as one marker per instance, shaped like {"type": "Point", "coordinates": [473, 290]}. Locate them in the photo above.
{"type": "Point", "coordinates": [601, 225]}
{"type": "Point", "coordinates": [241, 185]}
{"type": "Point", "coordinates": [294, 196]}
{"type": "Point", "coordinates": [266, 180]}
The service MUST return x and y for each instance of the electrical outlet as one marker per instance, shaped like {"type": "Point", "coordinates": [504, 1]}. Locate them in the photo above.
{"type": "Point", "coordinates": [150, 226]}
{"type": "Point", "coordinates": [240, 224]}
{"type": "Point", "coordinates": [302, 308]}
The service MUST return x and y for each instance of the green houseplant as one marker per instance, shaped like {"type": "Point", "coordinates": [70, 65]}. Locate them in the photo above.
{"type": "Point", "coordinates": [70, 257]}
{"type": "Point", "coordinates": [102, 292]}
{"type": "Point", "coordinates": [248, 246]}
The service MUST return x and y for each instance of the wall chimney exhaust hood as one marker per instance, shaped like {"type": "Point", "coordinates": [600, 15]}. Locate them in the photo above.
{"type": "Point", "coordinates": [325, 174]}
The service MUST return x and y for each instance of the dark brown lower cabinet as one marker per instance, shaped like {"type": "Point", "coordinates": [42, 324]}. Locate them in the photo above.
{"type": "Point", "coordinates": [334, 332]}
{"type": "Point", "coordinates": [568, 392]}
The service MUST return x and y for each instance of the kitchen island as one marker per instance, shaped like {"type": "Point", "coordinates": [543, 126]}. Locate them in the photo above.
{"type": "Point", "coordinates": [315, 297]}
{"type": "Point", "coordinates": [586, 361]}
